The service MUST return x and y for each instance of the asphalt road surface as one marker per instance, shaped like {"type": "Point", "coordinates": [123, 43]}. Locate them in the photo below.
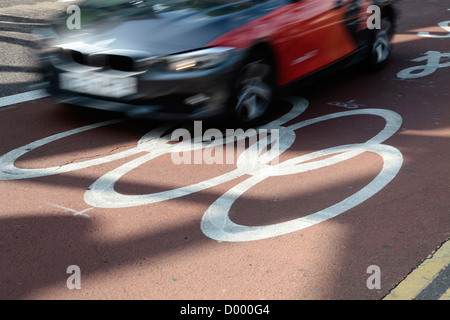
{"type": "Point", "coordinates": [358, 201]}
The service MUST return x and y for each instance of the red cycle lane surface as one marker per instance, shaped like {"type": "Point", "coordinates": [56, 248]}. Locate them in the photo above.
{"type": "Point", "coordinates": [159, 250]}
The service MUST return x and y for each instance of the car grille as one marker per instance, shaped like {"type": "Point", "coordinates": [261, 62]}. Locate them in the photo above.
{"type": "Point", "coordinates": [116, 62]}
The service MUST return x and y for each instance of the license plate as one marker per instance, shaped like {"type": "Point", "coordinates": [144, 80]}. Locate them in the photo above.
{"type": "Point", "coordinates": [98, 84]}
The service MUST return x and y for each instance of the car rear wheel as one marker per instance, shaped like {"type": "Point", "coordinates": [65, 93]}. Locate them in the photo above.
{"type": "Point", "coordinates": [381, 45]}
{"type": "Point", "coordinates": [253, 92]}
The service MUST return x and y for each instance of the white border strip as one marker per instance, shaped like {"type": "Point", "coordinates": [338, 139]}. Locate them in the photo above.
{"type": "Point", "coordinates": [23, 97]}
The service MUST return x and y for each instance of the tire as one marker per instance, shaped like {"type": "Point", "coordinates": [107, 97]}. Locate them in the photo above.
{"type": "Point", "coordinates": [381, 47]}
{"type": "Point", "coordinates": [252, 92]}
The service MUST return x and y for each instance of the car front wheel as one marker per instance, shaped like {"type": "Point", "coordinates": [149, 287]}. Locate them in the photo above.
{"type": "Point", "coordinates": [253, 92]}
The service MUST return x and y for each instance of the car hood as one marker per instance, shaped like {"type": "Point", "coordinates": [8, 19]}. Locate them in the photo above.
{"type": "Point", "coordinates": [159, 27]}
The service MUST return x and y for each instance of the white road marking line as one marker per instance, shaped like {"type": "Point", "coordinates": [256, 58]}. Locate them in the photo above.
{"type": "Point", "coordinates": [23, 97]}
{"type": "Point", "coordinates": [216, 223]}
{"type": "Point", "coordinates": [75, 212]}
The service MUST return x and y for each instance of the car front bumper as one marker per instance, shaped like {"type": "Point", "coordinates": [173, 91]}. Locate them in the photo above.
{"type": "Point", "coordinates": [159, 95]}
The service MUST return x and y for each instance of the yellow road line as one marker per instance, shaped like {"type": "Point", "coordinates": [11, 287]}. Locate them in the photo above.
{"type": "Point", "coordinates": [446, 295]}
{"type": "Point", "coordinates": [422, 276]}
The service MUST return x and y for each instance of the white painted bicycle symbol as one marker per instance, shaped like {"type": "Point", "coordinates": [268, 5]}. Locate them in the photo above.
{"type": "Point", "coordinates": [216, 223]}
{"type": "Point", "coordinates": [444, 25]}
{"type": "Point", "coordinates": [433, 62]}
{"type": "Point", "coordinates": [351, 104]}
{"type": "Point", "coordinates": [432, 58]}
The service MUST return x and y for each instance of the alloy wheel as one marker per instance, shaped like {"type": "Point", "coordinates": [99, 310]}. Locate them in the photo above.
{"type": "Point", "coordinates": [254, 91]}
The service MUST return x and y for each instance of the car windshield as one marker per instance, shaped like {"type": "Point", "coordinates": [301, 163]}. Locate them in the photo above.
{"type": "Point", "coordinates": [137, 3]}
{"type": "Point", "coordinates": [99, 9]}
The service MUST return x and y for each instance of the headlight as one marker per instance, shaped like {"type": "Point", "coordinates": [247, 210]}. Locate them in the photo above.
{"type": "Point", "coordinates": [198, 60]}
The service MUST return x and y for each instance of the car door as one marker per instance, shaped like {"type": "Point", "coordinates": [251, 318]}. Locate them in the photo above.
{"type": "Point", "coordinates": [306, 35]}
{"type": "Point", "coordinates": [315, 35]}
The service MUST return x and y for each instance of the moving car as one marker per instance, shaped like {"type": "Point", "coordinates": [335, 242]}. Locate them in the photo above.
{"type": "Point", "coordinates": [202, 58]}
